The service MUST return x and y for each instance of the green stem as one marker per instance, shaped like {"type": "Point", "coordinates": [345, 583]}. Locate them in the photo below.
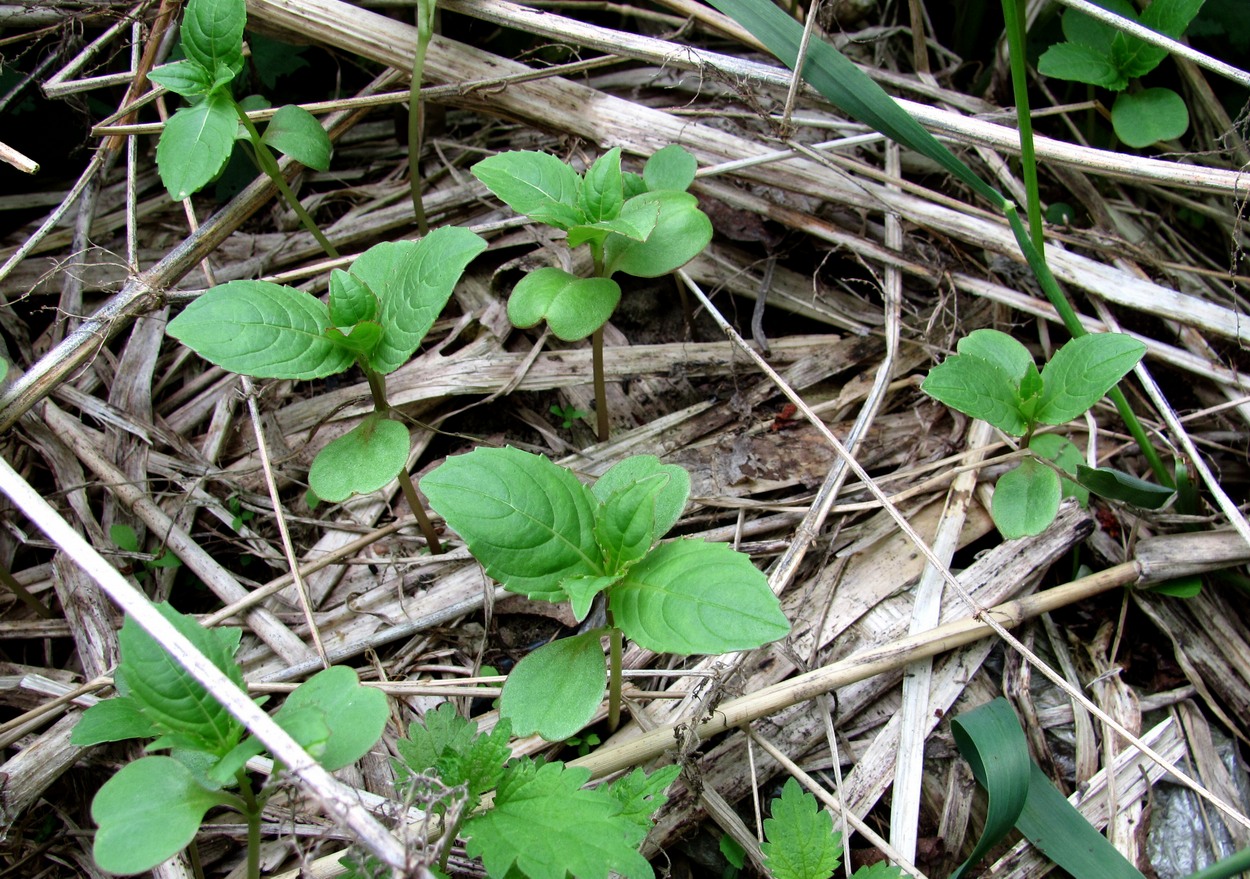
{"type": "Point", "coordinates": [614, 677]}
{"type": "Point", "coordinates": [251, 811]}
{"type": "Point", "coordinates": [416, 110]}
{"type": "Point", "coordinates": [1014, 13]}
{"type": "Point", "coordinates": [601, 387]}
{"type": "Point", "coordinates": [449, 841]}
{"type": "Point", "coordinates": [269, 165]}
{"type": "Point", "coordinates": [1233, 865]}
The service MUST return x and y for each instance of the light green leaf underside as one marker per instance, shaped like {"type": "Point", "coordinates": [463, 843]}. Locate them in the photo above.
{"type": "Point", "coordinates": [362, 460]}
{"type": "Point", "coordinates": [1026, 499]}
{"type": "Point", "coordinates": [556, 690]}
{"type": "Point", "coordinates": [295, 132]}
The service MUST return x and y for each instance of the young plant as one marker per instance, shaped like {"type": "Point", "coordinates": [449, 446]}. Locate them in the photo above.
{"type": "Point", "coordinates": [1101, 55]}
{"type": "Point", "coordinates": [993, 377]}
{"type": "Point", "coordinates": [198, 139]}
{"type": "Point", "coordinates": [128, 541]}
{"type": "Point", "coordinates": [645, 226]}
{"type": "Point", "coordinates": [542, 822]}
{"type": "Point", "coordinates": [379, 311]}
{"type": "Point", "coordinates": [800, 842]}
{"type": "Point", "coordinates": [151, 809]}
{"type": "Point", "coordinates": [542, 533]}
{"type": "Point", "coordinates": [568, 415]}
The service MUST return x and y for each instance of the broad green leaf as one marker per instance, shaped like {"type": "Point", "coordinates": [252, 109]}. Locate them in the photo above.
{"type": "Point", "coordinates": [999, 348]}
{"type": "Point", "coordinates": [547, 826]}
{"type": "Point", "coordinates": [642, 795]}
{"type": "Point", "coordinates": [1171, 17]}
{"type": "Point", "coordinates": [1082, 371]}
{"type": "Point", "coordinates": [362, 460]}
{"type": "Point", "coordinates": [800, 842]}
{"type": "Point", "coordinates": [212, 35]}
{"type": "Point", "coordinates": [637, 226]}
{"type": "Point", "coordinates": [670, 168]}
{"type": "Point", "coordinates": [413, 283]}
{"type": "Point", "coordinates": [295, 132]}
{"type": "Point", "coordinates": [633, 184]}
{"type": "Point", "coordinates": [124, 537]}
{"type": "Point", "coordinates": [573, 307]}
{"type": "Point", "coordinates": [535, 184]}
{"type": "Point", "coordinates": [582, 591]}
{"type": "Point", "coordinates": [556, 690]}
{"type": "Point", "coordinates": [1080, 63]}
{"type": "Point", "coordinates": [1135, 58]}
{"type": "Point", "coordinates": [977, 387]}
{"type": "Point", "coordinates": [1181, 587]}
{"type": "Point", "coordinates": [112, 720]}
{"type": "Point", "coordinates": [670, 503]}
{"type": "Point", "coordinates": [186, 78]}
{"type": "Point", "coordinates": [351, 300]}
{"type": "Point", "coordinates": [640, 500]}
{"type": "Point", "coordinates": [261, 329]}
{"type": "Point", "coordinates": [1067, 457]}
{"type": "Point", "coordinates": [1149, 116]}
{"type": "Point", "coordinates": [361, 340]}
{"type": "Point", "coordinates": [440, 730]}
{"type": "Point", "coordinates": [1026, 499]}
{"type": "Point", "coordinates": [1089, 31]}
{"type": "Point", "coordinates": [1119, 486]}
{"type": "Point", "coordinates": [354, 714]}
{"type": "Point", "coordinates": [195, 145]}
{"type": "Point", "coordinates": [681, 232]}
{"type": "Point", "coordinates": [148, 812]}
{"type": "Point", "coordinates": [528, 521]}
{"type": "Point", "coordinates": [176, 704]}
{"type": "Point", "coordinates": [601, 194]}
{"type": "Point", "coordinates": [689, 596]}
{"type": "Point", "coordinates": [879, 870]}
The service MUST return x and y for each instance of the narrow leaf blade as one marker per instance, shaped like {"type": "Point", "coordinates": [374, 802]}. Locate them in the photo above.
{"type": "Point", "coordinates": [1119, 486]}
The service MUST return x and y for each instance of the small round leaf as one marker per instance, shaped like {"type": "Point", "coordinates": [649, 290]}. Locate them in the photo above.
{"type": "Point", "coordinates": [363, 460]}
{"type": "Point", "coordinates": [1026, 499]}
{"type": "Point", "coordinates": [573, 307]}
{"type": "Point", "coordinates": [1151, 115]}
{"type": "Point", "coordinates": [680, 234]}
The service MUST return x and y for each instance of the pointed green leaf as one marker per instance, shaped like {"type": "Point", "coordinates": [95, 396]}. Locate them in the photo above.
{"type": "Point", "coordinates": [351, 300]}
{"type": "Point", "coordinates": [195, 145]}
{"type": "Point", "coordinates": [800, 843]}
{"type": "Point", "coordinates": [547, 826]}
{"type": "Point", "coordinates": [147, 813]}
{"type": "Point", "coordinates": [1079, 63]}
{"type": "Point", "coordinates": [1082, 371]}
{"type": "Point", "coordinates": [295, 132]}
{"type": "Point", "coordinates": [980, 388]}
{"type": "Point", "coordinates": [212, 34]}
{"type": "Point", "coordinates": [112, 720]}
{"type": "Point", "coordinates": [998, 348]}
{"type": "Point", "coordinates": [689, 596]}
{"type": "Point", "coordinates": [528, 521]}
{"type": "Point", "coordinates": [361, 340]}
{"type": "Point", "coordinates": [354, 714]}
{"type": "Point", "coordinates": [601, 193]}
{"type": "Point", "coordinates": [582, 591]}
{"type": "Point", "coordinates": [573, 307]}
{"type": "Point", "coordinates": [1026, 499]}
{"type": "Point", "coordinates": [1116, 485]}
{"type": "Point", "coordinates": [1181, 587]}
{"type": "Point", "coordinates": [186, 78]}
{"type": "Point", "coordinates": [556, 690]}
{"type": "Point", "coordinates": [640, 500]}
{"type": "Point", "coordinates": [362, 460]}
{"type": "Point", "coordinates": [633, 184]}
{"type": "Point", "coordinates": [681, 232]}
{"type": "Point", "coordinates": [261, 329]}
{"type": "Point", "coordinates": [642, 795]}
{"type": "Point", "coordinates": [535, 184]}
{"type": "Point", "coordinates": [670, 168]}
{"type": "Point", "coordinates": [1067, 457]}
{"type": "Point", "coordinates": [638, 226]}
{"type": "Point", "coordinates": [1149, 116]}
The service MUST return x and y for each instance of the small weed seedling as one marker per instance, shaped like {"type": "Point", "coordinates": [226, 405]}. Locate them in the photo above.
{"type": "Point", "coordinates": [542, 533]}
{"type": "Point", "coordinates": [379, 311]}
{"type": "Point", "coordinates": [645, 226]}
{"type": "Point", "coordinates": [568, 415]}
{"type": "Point", "coordinates": [151, 809]}
{"type": "Point", "coordinates": [800, 842]}
{"type": "Point", "coordinates": [198, 139]}
{"type": "Point", "coordinates": [1100, 55]}
{"type": "Point", "coordinates": [993, 377]}
{"type": "Point", "coordinates": [542, 823]}
{"type": "Point", "coordinates": [128, 541]}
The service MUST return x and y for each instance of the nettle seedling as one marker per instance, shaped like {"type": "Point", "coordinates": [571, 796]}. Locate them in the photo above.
{"type": "Point", "coordinates": [1101, 55]}
{"type": "Point", "coordinates": [198, 139]}
{"type": "Point", "coordinates": [993, 377]}
{"type": "Point", "coordinates": [542, 822]}
{"type": "Point", "coordinates": [542, 533]}
{"type": "Point", "coordinates": [151, 809]}
{"type": "Point", "coordinates": [800, 842]}
{"type": "Point", "coordinates": [646, 226]}
{"type": "Point", "coordinates": [378, 313]}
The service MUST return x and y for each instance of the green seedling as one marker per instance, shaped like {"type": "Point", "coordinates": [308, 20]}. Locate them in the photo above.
{"type": "Point", "coordinates": [542, 533]}
{"type": "Point", "coordinates": [568, 415]}
{"type": "Point", "coordinates": [800, 842]}
{"type": "Point", "coordinates": [993, 377]}
{"type": "Point", "coordinates": [127, 540]}
{"type": "Point", "coordinates": [151, 809]}
{"type": "Point", "coordinates": [1101, 55]}
{"type": "Point", "coordinates": [198, 139]}
{"type": "Point", "coordinates": [646, 226]}
{"type": "Point", "coordinates": [378, 313]}
{"type": "Point", "coordinates": [542, 822]}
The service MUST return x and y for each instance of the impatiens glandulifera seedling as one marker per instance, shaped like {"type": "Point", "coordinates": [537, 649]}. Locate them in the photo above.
{"type": "Point", "coordinates": [151, 809]}
{"type": "Point", "coordinates": [542, 822]}
{"type": "Point", "coordinates": [645, 226]}
{"type": "Point", "coordinates": [540, 532]}
{"type": "Point", "coordinates": [379, 311]}
{"type": "Point", "coordinates": [993, 377]}
{"type": "Point", "coordinates": [198, 139]}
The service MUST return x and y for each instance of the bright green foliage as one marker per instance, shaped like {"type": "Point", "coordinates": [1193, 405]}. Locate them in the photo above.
{"type": "Point", "coordinates": [540, 532]}
{"type": "Point", "coordinates": [379, 312]}
{"type": "Point", "coordinates": [993, 377]}
{"type": "Point", "coordinates": [573, 307]}
{"type": "Point", "coordinates": [1100, 55]}
{"type": "Point", "coordinates": [450, 747]}
{"type": "Point", "coordinates": [547, 826]}
{"type": "Point", "coordinates": [567, 414]}
{"type": "Point", "coordinates": [641, 795]}
{"type": "Point", "coordinates": [1117, 486]}
{"type": "Point", "coordinates": [198, 139]}
{"type": "Point", "coordinates": [149, 810]}
{"type": "Point", "coordinates": [126, 539]}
